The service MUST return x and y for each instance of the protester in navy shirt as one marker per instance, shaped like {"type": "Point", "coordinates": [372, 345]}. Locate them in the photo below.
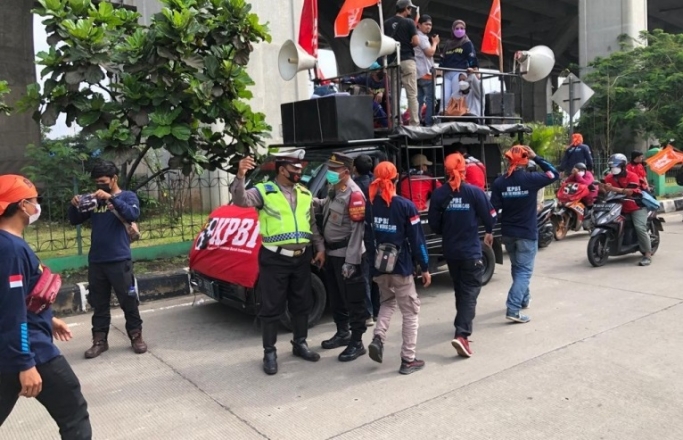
{"type": "Point", "coordinates": [577, 152]}
{"type": "Point", "coordinates": [396, 223]}
{"type": "Point", "coordinates": [515, 194]}
{"type": "Point", "coordinates": [30, 363]}
{"type": "Point", "coordinates": [109, 260]}
{"type": "Point", "coordinates": [455, 212]}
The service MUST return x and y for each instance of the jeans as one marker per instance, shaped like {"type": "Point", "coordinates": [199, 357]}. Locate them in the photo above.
{"type": "Point", "coordinates": [399, 291]}
{"type": "Point", "coordinates": [102, 278]}
{"type": "Point", "coordinates": [451, 84]}
{"type": "Point", "coordinates": [409, 81]}
{"type": "Point", "coordinates": [522, 254]}
{"type": "Point", "coordinates": [61, 396]}
{"type": "Point", "coordinates": [639, 219]}
{"type": "Point", "coordinates": [467, 281]}
{"type": "Point", "coordinates": [425, 95]}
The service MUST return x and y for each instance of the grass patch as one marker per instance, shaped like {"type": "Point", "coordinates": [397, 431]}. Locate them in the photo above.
{"type": "Point", "coordinates": [60, 239]}
{"type": "Point", "coordinates": [140, 268]}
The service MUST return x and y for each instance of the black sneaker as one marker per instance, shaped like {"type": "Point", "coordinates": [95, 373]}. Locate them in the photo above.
{"type": "Point", "coordinates": [376, 349]}
{"type": "Point", "coordinates": [409, 367]}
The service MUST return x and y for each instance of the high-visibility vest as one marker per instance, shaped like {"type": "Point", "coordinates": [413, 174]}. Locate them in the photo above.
{"type": "Point", "coordinates": [278, 222]}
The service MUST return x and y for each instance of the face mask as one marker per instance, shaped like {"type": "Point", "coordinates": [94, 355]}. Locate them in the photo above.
{"type": "Point", "coordinates": [459, 33]}
{"type": "Point", "coordinates": [106, 187]}
{"type": "Point", "coordinates": [332, 177]}
{"type": "Point", "coordinates": [293, 177]}
{"type": "Point", "coordinates": [582, 173]}
{"type": "Point", "coordinates": [32, 218]}
{"type": "Point", "coordinates": [616, 170]}
{"type": "Point", "coordinates": [464, 86]}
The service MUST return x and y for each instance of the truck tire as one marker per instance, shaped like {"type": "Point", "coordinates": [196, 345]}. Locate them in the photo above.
{"type": "Point", "coordinates": [319, 304]}
{"type": "Point", "coordinates": [489, 260]}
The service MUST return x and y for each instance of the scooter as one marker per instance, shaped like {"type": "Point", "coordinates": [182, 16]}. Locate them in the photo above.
{"type": "Point", "coordinates": [570, 213]}
{"type": "Point", "coordinates": [546, 228]}
{"type": "Point", "coordinates": [613, 235]}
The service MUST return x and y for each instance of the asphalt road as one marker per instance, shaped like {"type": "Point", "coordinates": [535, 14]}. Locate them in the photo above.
{"type": "Point", "coordinates": [601, 359]}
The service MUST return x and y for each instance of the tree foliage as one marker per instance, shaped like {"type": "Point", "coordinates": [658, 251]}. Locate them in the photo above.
{"type": "Point", "coordinates": [4, 90]}
{"type": "Point", "coordinates": [638, 92]}
{"type": "Point", "coordinates": [134, 88]}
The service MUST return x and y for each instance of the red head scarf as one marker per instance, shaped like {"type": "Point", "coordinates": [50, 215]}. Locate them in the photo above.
{"type": "Point", "coordinates": [517, 157]}
{"type": "Point", "coordinates": [455, 170]}
{"type": "Point", "coordinates": [385, 174]}
{"type": "Point", "coordinates": [577, 139]}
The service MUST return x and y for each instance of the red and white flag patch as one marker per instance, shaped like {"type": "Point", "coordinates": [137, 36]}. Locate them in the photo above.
{"type": "Point", "coordinates": [493, 213]}
{"type": "Point", "coordinates": [16, 281]}
{"type": "Point", "coordinates": [415, 220]}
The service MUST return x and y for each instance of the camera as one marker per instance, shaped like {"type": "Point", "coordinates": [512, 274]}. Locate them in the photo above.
{"type": "Point", "coordinates": [87, 203]}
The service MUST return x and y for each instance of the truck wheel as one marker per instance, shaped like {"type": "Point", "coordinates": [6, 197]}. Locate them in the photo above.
{"type": "Point", "coordinates": [489, 260]}
{"type": "Point", "coordinates": [319, 304]}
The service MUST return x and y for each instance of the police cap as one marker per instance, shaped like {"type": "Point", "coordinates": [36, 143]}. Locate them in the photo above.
{"type": "Point", "coordinates": [340, 160]}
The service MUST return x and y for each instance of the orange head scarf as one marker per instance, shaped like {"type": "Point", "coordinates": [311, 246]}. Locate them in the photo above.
{"type": "Point", "coordinates": [385, 174]}
{"type": "Point", "coordinates": [14, 189]}
{"type": "Point", "coordinates": [517, 157]}
{"type": "Point", "coordinates": [455, 170]}
{"type": "Point", "coordinates": [577, 139]}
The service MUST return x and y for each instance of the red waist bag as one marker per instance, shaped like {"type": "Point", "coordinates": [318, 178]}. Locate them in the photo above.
{"type": "Point", "coordinates": [45, 291]}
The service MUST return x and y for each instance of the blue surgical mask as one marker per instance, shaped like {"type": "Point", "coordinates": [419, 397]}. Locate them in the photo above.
{"type": "Point", "coordinates": [332, 177]}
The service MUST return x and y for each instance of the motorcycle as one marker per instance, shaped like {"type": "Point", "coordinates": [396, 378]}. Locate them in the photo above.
{"type": "Point", "coordinates": [613, 235]}
{"type": "Point", "coordinates": [546, 228]}
{"type": "Point", "coordinates": [570, 213]}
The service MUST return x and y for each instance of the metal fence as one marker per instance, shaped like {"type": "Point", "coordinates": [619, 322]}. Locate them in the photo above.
{"type": "Point", "coordinates": [173, 209]}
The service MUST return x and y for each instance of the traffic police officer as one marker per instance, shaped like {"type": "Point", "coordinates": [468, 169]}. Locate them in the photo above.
{"type": "Point", "coordinates": [343, 229]}
{"type": "Point", "coordinates": [287, 225]}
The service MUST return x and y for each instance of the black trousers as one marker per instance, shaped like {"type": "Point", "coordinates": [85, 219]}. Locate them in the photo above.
{"type": "Point", "coordinates": [284, 282]}
{"type": "Point", "coordinates": [61, 396]}
{"type": "Point", "coordinates": [371, 288]}
{"type": "Point", "coordinates": [102, 277]}
{"type": "Point", "coordinates": [347, 297]}
{"type": "Point", "coordinates": [467, 280]}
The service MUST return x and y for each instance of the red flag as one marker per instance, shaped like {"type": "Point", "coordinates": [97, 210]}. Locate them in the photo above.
{"type": "Point", "coordinates": [349, 16]}
{"type": "Point", "coordinates": [308, 29]}
{"type": "Point", "coordinates": [492, 34]}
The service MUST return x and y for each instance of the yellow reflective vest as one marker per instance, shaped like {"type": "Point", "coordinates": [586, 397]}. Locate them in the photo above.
{"type": "Point", "coordinates": [279, 223]}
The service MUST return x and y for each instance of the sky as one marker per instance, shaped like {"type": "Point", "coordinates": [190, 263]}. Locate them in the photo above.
{"type": "Point", "coordinates": [326, 62]}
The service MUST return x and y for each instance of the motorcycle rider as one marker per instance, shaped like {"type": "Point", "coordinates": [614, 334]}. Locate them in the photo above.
{"type": "Point", "coordinates": [622, 181]}
{"type": "Point", "coordinates": [638, 167]}
{"type": "Point", "coordinates": [581, 175]}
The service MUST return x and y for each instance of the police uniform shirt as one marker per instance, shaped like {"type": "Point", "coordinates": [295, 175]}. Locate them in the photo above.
{"type": "Point", "coordinates": [344, 218]}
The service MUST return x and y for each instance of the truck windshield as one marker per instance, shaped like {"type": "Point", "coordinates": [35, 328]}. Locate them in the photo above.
{"type": "Point", "coordinates": [266, 172]}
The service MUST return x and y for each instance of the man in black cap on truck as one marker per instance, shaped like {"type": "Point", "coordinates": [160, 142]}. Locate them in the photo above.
{"type": "Point", "coordinates": [343, 229]}
{"type": "Point", "coordinates": [288, 227]}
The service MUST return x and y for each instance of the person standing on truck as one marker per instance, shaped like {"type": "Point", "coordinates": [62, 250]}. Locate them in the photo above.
{"type": "Point", "coordinates": [400, 239]}
{"type": "Point", "coordinates": [287, 225]}
{"type": "Point", "coordinates": [515, 194]}
{"type": "Point", "coordinates": [110, 263]}
{"type": "Point", "coordinates": [455, 213]}
{"type": "Point", "coordinates": [343, 229]}
{"type": "Point", "coordinates": [403, 29]}
{"type": "Point", "coordinates": [362, 171]}
{"type": "Point", "coordinates": [424, 57]}
{"type": "Point", "coordinates": [31, 366]}
{"type": "Point", "coordinates": [418, 184]}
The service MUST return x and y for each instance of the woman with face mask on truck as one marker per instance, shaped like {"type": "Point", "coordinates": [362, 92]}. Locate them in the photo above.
{"type": "Point", "coordinates": [457, 53]}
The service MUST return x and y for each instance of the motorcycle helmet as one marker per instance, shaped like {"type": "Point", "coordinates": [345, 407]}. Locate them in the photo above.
{"type": "Point", "coordinates": [580, 166]}
{"type": "Point", "coordinates": [617, 163]}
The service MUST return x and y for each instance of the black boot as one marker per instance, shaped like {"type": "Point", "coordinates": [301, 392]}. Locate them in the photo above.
{"type": "Point", "coordinates": [352, 352]}
{"type": "Point", "coordinates": [340, 339]}
{"type": "Point", "coordinates": [299, 345]}
{"type": "Point", "coordinates": [269, 351]}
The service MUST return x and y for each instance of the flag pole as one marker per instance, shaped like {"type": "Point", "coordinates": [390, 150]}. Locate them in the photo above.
{"type": "Point", "coordinates": [500, 56]}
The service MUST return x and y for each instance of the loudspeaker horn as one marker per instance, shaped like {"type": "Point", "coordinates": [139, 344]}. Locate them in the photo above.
{"type": "Point", "coordinates": [293, 59]}
{"type": "Point", "coordinates": [368, 43]}
{"type": "Point", "coordinates": [536, 63]}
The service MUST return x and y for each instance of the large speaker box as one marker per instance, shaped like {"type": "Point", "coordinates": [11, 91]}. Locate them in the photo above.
{"type": "Point", "coordinates": [334, 118]}
{"type": "Point", "coordinates": [494, 105]}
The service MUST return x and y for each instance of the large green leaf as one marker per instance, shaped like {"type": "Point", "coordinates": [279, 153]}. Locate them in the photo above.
{"type": "Point", "coordinates": [182, 132]}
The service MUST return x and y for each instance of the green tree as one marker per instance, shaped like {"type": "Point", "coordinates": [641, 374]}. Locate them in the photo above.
{"type": "Point", "coordinates": [4, 90]}
{"type": "Point", "coordinates": [134, 88]}
{"type": "Point", "coordinates": [638, 92]}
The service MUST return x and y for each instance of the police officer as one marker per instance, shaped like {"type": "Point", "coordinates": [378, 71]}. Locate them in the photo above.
{"type": "Point", "coordinates": [288, 227]}
{"type": "Point", "coordinates": [454, 213]}
{"type": "Point", "coordinates": [343, 229]}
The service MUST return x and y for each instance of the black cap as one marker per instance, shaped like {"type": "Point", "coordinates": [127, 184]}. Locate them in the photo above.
{"type": "Point", "coordinates": [402, 4]}
{"type": "Point", "coordinates": [339, 160]}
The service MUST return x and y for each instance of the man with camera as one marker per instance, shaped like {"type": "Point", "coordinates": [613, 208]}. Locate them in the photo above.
{"type": "Point", "coordinates": [111, 212]}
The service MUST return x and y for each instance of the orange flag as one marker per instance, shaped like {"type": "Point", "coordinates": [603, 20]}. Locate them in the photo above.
{"type": "Point", "coordinates": [666, 159]}
{"type": "Point", "coordinates": [493, 34]}
{"type": "Point", "coordinates": [349, 16]}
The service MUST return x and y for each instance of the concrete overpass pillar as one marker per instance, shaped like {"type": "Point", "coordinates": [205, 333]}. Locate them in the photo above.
{"type": "Point", "coordinates": [601, 22]}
